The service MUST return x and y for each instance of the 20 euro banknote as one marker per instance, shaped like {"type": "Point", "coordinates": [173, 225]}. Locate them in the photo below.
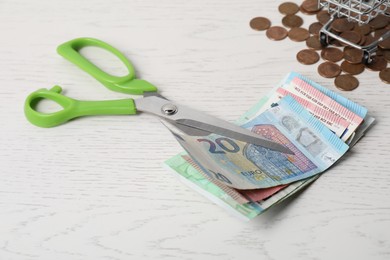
{"type": "Point", "coordinates": [246, 166]}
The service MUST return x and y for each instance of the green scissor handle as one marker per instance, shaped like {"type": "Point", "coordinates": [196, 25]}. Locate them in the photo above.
{"type": "Point", "coordinates": [72, 108]}
{"type": "Point", "coordinates": [126, 84]}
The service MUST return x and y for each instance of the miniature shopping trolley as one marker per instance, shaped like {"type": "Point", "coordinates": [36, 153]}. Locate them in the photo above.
{"type": "Point", "coordinates": [360, 11]}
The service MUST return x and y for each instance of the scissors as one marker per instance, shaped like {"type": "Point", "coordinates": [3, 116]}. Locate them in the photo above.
{"type": "Point", "coordinates": [188, 120]}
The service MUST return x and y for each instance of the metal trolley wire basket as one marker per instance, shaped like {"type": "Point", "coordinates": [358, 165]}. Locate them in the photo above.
{"type": "Point", "coordinates": [360, 11]}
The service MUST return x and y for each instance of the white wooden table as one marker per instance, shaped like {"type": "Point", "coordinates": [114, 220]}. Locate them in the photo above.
{"type": "Point", "coordinates": [95, 188]}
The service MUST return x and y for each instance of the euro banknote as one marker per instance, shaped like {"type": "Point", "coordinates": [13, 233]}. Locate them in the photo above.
{"type": "Point", "coordinates": [361, 111]}
{"type": "Point", "coordinates": [241, 196]}
{"type": "Point", "coordinates": [316, 97]}
{"type": "Point", "coordinates": [333, 121]}
{"type": "Point", "coordinates": [213, 191]}
{"type": "Point", "coordinates": [210, 188]}
{"type": "Point", "coordinates": [247, 166]}
{"type": "Point", "coordinates": [342, 114]}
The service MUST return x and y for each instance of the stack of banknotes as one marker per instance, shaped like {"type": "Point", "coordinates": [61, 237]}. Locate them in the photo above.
{"type": "Point", "coordinates": [317, 124]}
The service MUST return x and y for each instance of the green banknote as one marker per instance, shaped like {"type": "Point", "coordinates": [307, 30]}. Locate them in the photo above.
{"type": "Point", "coordinates": [199, 182]}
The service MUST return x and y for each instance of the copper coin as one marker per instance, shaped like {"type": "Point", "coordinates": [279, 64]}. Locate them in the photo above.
{"type": "Point", "coordinates": [364, 18]}
{"type": "Point", "coordinates": [386, 54]}
{"type": "Point", "coordinates": [362, 39]}
{"type": "Point", "coordinates": [332, 54]}
{"type": "Point", "coordinates": [260, 23]}
{"type": "Point", "coordinates": [308, 57]}
{"type": "Point", "coordinates": [369, 39]}
{"type": "Point", "coordinates": [323, 17]}
{"type": "Point", "coordinates": [378, 63]}
{"type": "Point", "coordinates": [352, 55]}
{"type": "Point", "coordinates": [292, 21]}
{"type": "Point", "coordinates": [384, 75]}
{"type": "Point", "coordinates": [335, 42]}
{"type": "Point", "coordinates": [329, 69]}
{"type": "Point", "coordinates": [352, 69]}
{"type": "Point", "coordinates": [342, 25]}
{"type": "Point", "coordinates": [313, 42]}
{"type": "Point", "coordinates": [315, 28]}
{"type": "Point", "coordinates": [382, 8]}
{"type": "Point", "coordinates": [346, 82]}
{"type": "Point", "coordinates": [385, 44]}
{"type": "Point", "coordinates": [363, 29]}
{"type": "Point", "coordinates": [310, 6]}
{"type": "Point", "coordinates": [378, 33]}
{"type": "Point", "coordinates": [302, 10]}
{"type": "Point", "coordinates": [298, 34]}
{"type": "Point", "coordinates": [379, 52]}
{"type": "Point", "coordinates": [386, 8]}
{"type": "Point", "coordinates": [351, 36]}
{"type": "Point", "coordinates": [288, 8]}
{"type": "Point", "coordinates": [378, 22]}
{"type": "Point", "coordinates": [276, 33]}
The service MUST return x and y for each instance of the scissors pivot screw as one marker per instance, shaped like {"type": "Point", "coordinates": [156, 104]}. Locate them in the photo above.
{"type": "Point", "coordinates": [169, 109]}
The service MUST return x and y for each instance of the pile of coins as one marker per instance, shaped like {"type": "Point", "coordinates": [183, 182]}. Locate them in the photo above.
{"type": "Point", "coordinates": [340, 61]}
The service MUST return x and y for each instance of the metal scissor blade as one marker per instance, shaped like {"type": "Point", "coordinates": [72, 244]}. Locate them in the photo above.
{"type": "Point", "coordinates": [189, 130]}
{"type": "Point", "coordinates": [192, 118]}
{"type": "Point", "coordinates": [236, 134]}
